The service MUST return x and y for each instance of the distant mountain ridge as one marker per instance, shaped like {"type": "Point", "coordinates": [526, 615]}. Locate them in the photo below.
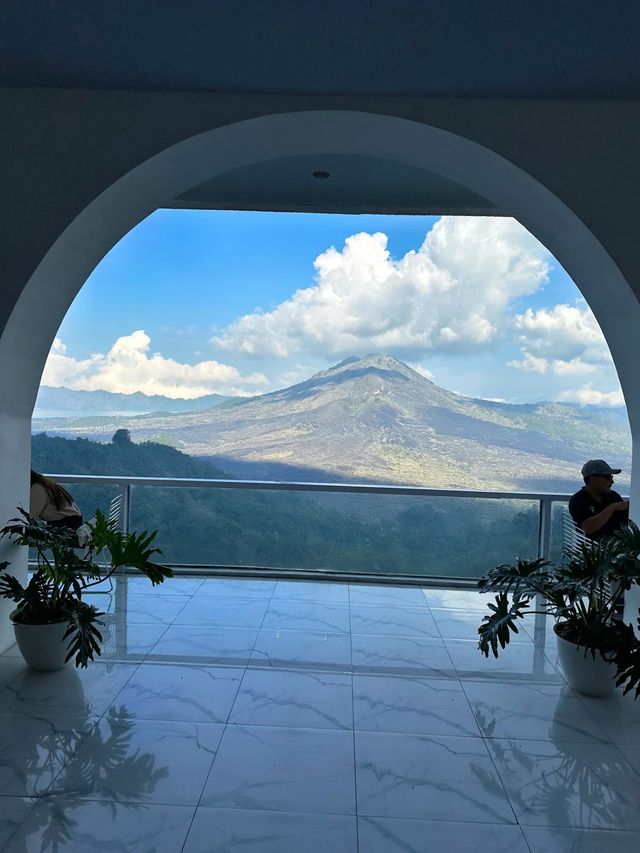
{"type": "Point", "coordinates": [377, 419]}
{"type": "Point", "coordinates": [64, 399]}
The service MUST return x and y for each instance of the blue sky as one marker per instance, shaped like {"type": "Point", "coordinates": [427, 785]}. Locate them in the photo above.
{"type": "Point", "coordinates": [193, 302]}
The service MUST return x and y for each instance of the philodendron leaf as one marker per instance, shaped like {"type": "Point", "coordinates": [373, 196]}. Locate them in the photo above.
{"type": "Point", "coordinates": [496, 628]}
{"type": "Point", "coordinates": [521, 578]}
{"type": "Point", "coordinates": [84, 634]}
{"type": "Point", "coordinates": [11, 588]}
{"type": "Point", "coordinates": [627, 658]}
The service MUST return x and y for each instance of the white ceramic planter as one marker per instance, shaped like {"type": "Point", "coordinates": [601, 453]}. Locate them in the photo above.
{"type": "Point", "coordinates": [42, 646]}
{"type": "Point", "coordinates": [586, 674]}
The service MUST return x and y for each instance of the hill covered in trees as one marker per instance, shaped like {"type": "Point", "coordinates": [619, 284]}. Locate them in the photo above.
{"type": "Point", "coordinates": [358, 533]}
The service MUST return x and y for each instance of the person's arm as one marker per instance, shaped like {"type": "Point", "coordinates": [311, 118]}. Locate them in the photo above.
{"type": "Point", "coordinates": [597, 522]}
{"type": "Point", "coordinates": [37, 500]}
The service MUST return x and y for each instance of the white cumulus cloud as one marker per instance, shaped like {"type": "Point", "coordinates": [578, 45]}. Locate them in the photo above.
{"type": "Point", "coordinates": [537, 364]}
{"type": "Point", "coordinates": [423, 371]}
{"type": "Point", "coordinates": [588, 396]}
{"type": "Point", "coordinates": [129, 366]}
{"type": "Point", "coordinates": [451, 295]}
{"type": "Point", "coordinates": [565, 332]}
{"type": "Point", "coordinates": [566, 341]}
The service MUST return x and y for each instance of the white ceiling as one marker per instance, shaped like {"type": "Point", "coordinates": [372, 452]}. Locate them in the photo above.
{"type": "Point", "coordinates": [355, 185]}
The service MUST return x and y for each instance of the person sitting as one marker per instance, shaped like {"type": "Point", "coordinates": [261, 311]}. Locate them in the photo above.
{"type": "Point", "coordinates": [596, 509]}
{"type": "Point", "coordinates": [53, 503]}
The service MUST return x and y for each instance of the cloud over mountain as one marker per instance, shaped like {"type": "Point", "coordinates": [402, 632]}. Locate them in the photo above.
{"type": "Point", "coordinates": [129, 366]}
{"type": "Point", "coordinates": [451, 295]}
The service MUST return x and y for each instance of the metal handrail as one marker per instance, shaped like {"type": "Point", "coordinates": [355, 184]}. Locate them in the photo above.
{"type": "Point", "coordinates": [544, 499]}
{"type": "Point", "coordinates": [284, 485]}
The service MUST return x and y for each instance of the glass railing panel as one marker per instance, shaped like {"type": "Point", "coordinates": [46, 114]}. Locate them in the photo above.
{"type": "Point", "coordinates": [556, 543]}
{"type": "Point", "coordinates": [92, 496]}
{"type": "Point", "coordinates": [324, 531]}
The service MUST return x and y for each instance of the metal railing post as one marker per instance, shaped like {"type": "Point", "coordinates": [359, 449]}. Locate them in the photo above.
{"type": "Point", "coordinates": [544, 551]}
{"type": "Point", "coordinates": [544, 529]}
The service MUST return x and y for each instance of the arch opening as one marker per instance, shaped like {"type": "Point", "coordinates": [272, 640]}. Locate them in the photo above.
{"type": "Point", "coordinates": [62, 272]}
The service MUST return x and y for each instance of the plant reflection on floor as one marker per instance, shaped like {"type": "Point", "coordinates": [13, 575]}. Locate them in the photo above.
{"type": "Point", "coordinates": [104, 766]}
{"type": "Point", "coordinates": [564, 783]}
{"type": "Point", "coordinates": [96, 760]}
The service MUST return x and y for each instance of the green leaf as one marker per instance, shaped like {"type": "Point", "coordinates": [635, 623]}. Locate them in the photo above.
{"type": "Point", "coordinates": [11, 588]}
{"type": "Point", "coordinates": [496, 628]}
{"type": "Point", "coordinates": [525, 577]}
{"type": "Point", "coordinates": [85, 638]}
{"type": "Point", "coordinates": [627, 658]}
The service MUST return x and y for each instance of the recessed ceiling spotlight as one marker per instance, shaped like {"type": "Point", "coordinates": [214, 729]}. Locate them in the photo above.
{"type": "Point", "coordinates": [321, 175]}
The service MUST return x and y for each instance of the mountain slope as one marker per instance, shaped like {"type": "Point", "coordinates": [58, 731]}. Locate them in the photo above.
{"type": "Point", "coordinates": [376, 419]}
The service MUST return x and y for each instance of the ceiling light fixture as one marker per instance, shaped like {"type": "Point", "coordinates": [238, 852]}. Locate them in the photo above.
{"type": "Point", "coordinates": [321, 175]}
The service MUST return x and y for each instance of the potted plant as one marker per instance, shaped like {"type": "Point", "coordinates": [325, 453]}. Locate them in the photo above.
{"type": "Point", "coordinates": [597, 650]}
{"type": "Point", "coordinates": [50, 609]}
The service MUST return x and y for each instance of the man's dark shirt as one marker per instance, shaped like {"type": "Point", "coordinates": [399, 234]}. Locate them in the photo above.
{"type": "Point", "coordinates": [582, 506]}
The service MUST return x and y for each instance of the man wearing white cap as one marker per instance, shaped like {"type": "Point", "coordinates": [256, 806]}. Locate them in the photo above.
{"type": "Point", "coordinates": [596, 509]}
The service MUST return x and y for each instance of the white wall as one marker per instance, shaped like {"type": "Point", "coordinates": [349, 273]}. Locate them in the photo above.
{"type": "Point", "coordinates": [71, 201]}
{"type": "Point", "coordinates": [15, 452]}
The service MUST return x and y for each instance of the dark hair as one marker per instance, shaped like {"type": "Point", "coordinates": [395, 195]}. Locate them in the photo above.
{"type": "Point", "coordinates": [57, 494]}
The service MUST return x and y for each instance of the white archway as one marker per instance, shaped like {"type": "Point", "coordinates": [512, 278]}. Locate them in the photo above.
{"type": "Point", "coordinates": [27, 338]}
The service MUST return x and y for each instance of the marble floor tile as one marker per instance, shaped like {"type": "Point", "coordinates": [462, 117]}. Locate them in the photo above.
{"type": "Point", "coordinates": [392, 621]}
{"type": "Point", "coordinates": [275, 647]}
{"type": "Point", "coordinates": [462, 624]}
{"type": "Point", "coordinates": [387, 703]}
{"type": "Point", "coordinates": [149, 608]}
{"type": "Point", "coordinates": [298, 770]}
{"type": "Point", "coordinates": [545, 839]}
{"type": "Point", "coordinates": [73, 826]}
{"type": "Point", "coordinates": [225, 830]}
{"type": "Point", "coordinates": [198, 694]}
{"type": "Point", "coordinates": [11, 666]}
{"type": "Point", "coordinates": [325, 616]}
{"type": "Point", "coordinates": [404, 835]}
{"type": "Point", "coordinates": [70, 690]}
{"type": "Point", "coordinates": [170, 586]}
{"type": "Point", "coordinates": [382, 595]}
{"type": "Point", "coordinates": [618, 715]}
{"type": "Point", "coordinates": [13, 811]}
{"type": "Point", "coordinates": [424, 657]}
{"type": "Point", "coordinates": [129, 642]}
{"type": "Point", "coordinates": [632, 754]}
{"type": "Point", "coordinates": [312, 591]}
{"type": "Point", "coordinates": [531, 711]}
{"type": "Point", "coordinates": [205, 645]}
{"type": "Point", "coordinates": [280, 777]}
{"type": "Point", "coordinates": [319, 700]}
{"type": "Point", "coordinates": [236, 587]}
{"type": "Point", "coordinates": [559, 783]}
{"type": "Point", "coordinates": [12, 652]}
{"type": "Point", "coordinates": [459, 599]}
{"type": "Point", "coordinates": [518, 662]}
{"type": "Point", "coordinates": [141, 761]}
{"type": "Point", "coordinates": [34, 749]}
{"type": "Point", "coordinates": [428, 777]}
{"type": "Point", "coordinates": [231, 611]}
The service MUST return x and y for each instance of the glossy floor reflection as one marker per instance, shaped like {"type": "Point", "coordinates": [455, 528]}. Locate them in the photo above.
{"type": "Point", "coordinates": [284, 716]}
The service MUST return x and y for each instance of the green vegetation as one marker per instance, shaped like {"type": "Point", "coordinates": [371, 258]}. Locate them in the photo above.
{"type": "Point", "coordinates": [376, 420]}
{"type": "Point", "coordinates": [358, 533]}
